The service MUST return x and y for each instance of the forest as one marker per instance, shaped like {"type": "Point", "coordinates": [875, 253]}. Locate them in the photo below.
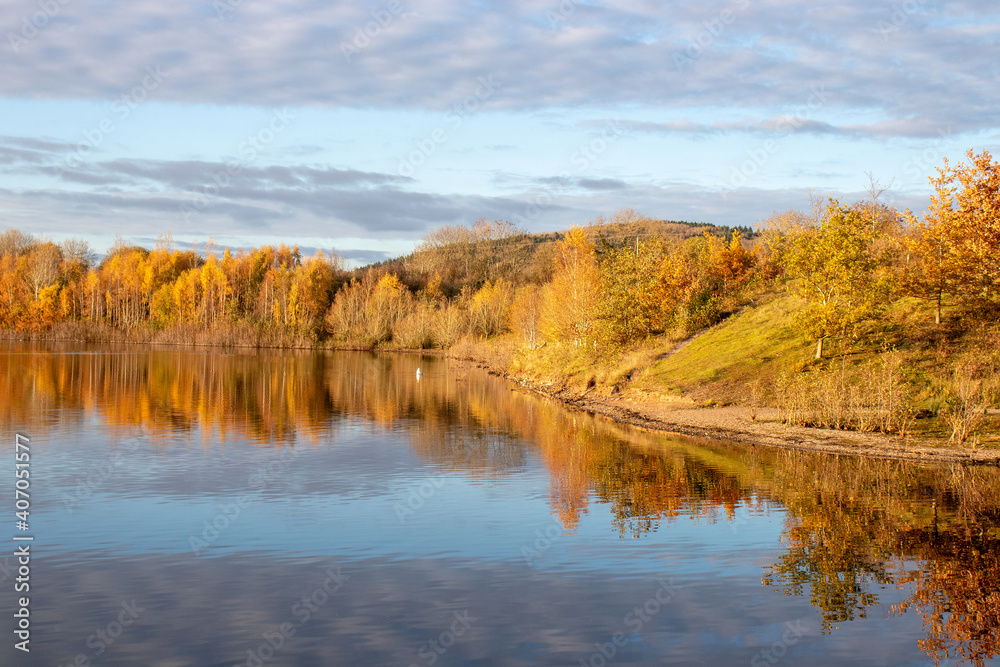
{"type": "Point", "coordinates": [852, 278]}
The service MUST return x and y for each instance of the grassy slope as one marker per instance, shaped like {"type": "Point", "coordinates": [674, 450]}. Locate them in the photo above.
{"type": "Point", "coordinates": [757, 343]}
{"type": "Point", "coordinates": [760, 343]}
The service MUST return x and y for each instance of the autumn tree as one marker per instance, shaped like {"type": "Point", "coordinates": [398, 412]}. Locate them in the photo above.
{"type": "Point", "coordinates": [569, 307]}
{"type": "Point", "coordinates": [275, 267]}
{"type": "Point", "coordinates": [956, 247]}
{"type": "Point", "coordinates": [388, 304]}
{"type": "Point", "coordinates": [93, 295]}
{"type": "Point", "coordinates": [733, 265]}
{"type": "Point", "coordinates": [632, 292]}
{"type": "Point", "coordinates": [367, 311]}
{"type": "Point", "coordinates": [163, 307]}
{"type": "Point", "coordinates": [314, 284]}
{"type": "Point", "coordinates": [187, 295]}
{"type": "Point", "coordinates": [526, 314]}
{"type": "Point", "coordinates": [15, 243]}
{"type": "Point", "coordinates": [930, 266]}
{"type": "Point", "coordinates": [450, 323]}
{"type": "Point", "coordinates": [416, 329]}
{"type": "Point", "coordinates": [122, 275]}
{"type": "Point", "coordinates": [43, 312]}
{"type": "Point", "coordinates": [702, 279]}
{"type": "Point", "coordinates": [489, 308]}
{"type": "Point", "coordinates": [14, 293]}
{"type": "Point", "coordinates": [773, 234]}
{"type": "Point", "coordinates": [215, 290]}
{"type": "Point", "coordinates": [692, 288]}
{"type": "Point", "coordinates": [346, 317]}
{"type": "Point", "coordinates": [43, 267]}
{"type": "Point", "coordinates": [275, 292]}
{"type": "Point", "coordinates": [78, 256]}
{"type": "Point", "coordinates": [838, 274]}
{"type": "Point", "coordinates": [164, 264]}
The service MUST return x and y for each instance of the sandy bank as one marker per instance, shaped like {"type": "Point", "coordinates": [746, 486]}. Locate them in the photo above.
{"type": "Point", "coordinates": [735, 423]}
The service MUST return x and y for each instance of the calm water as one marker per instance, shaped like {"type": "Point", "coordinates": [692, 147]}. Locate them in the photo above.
{"type": "Point", "coordinates": [228, 508]}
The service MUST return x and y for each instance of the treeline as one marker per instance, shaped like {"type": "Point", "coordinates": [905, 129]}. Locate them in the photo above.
{"type": "Point", "coordinates": [478, 281]}
{"type": "Point", "coordinates": [42, 283]}
{"type": "Point", "coordinates": [601, 287]}
{"type": "Point", "coordinates": [850, 264]}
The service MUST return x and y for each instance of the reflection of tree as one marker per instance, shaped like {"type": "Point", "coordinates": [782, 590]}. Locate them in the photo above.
{"type": "Point", "coordinates": [956, 593]}
{"type": "Point", "coordinates": [644, 485]}
{"type": "Point", "coordinates": [646, 488]}
{"type": "Point", "coordinates": [270, 398]}
{"type": "Point", "coordinates": [836, 559]}
{"type": "Point", "coordinates": [852, 517]}
{"type": "Point", "coordinates": [452, 418]}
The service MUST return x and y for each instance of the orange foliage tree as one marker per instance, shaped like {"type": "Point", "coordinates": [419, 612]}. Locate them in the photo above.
{"type": "Point", "coordinates": [956, 247]}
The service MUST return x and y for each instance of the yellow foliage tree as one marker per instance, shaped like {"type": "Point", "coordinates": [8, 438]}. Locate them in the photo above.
{"type": "Point", "coordinates": [314, 283]}
{"type": "Point", "coordinates": [388, 305]}
{"type": "Point", "coordinates": [215, 290]}
{"type": "Point", "coordinates": [569, 307]}
{"type": "Point", "coordinates": [163, 307]}
{"type": "Point", "coordinates": [187, 295]}
{"type": "Point", "coordinates": [632, 294]}
{"type": "Point", "coordinates": [44, 311]}
{"type": "Point", "coordinates": [734, 264]}
{"type": "Point", "coordinates": [490, 308]}
{"type": "Point", "coordinates": [526, 314]}
{"type": "Point", "coordinates": [839, 276]}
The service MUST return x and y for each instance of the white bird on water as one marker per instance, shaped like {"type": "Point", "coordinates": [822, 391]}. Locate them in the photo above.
{"type": "Point", "coordinates": [418, 372]}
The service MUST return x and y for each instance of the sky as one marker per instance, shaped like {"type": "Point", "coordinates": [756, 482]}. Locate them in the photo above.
{"type": "Point", "coordinates": [359, 127]}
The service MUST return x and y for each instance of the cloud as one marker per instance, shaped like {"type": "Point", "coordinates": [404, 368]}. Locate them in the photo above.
{"type": "Point", "coordinates": [29, 150]}
{"type": "Point", "coordinates": [785, 125]}
{"type": "Point", "coordinates": [360, 257]}
{"type": "Point", "coordinates": [569, 183]}
{"type": "Point", "coordinates": [601, 184]}
{"type": "Point", "coordinates": [926, 62]}
{"type": "Point", "coordinates": [854, 71]}
{"type": "Point", "coordinates": [197, 175]}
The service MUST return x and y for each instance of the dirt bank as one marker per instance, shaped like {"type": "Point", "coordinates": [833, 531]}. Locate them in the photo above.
{"type": "Point", "coordinates": [741, 424]}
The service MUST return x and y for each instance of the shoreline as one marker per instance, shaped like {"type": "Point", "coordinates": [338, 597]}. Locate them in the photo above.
{"type": "Point", "coordinates": [678, 416]}
{"type": "Point", "coordinates": [734, 424]}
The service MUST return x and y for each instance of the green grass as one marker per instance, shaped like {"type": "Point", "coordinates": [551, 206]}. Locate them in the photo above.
{"type": "Point", "coordinates": [759, 343]}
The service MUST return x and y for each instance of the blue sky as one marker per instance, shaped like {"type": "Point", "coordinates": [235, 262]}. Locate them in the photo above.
{"type": "Point", "coordinates": [360, 126]}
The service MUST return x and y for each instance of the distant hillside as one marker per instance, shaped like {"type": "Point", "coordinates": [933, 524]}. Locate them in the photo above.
{"type": "Point", "coordinates": [611, 233]}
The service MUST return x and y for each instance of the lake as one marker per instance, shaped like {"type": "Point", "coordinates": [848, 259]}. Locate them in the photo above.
{"type": "Point", "coordinates": [218, 507]}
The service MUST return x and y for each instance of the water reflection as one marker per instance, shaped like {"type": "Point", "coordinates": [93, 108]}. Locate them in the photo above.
{"type": "Point", "coordinates": [866, 524]}
{"type": "Point", "coordinates": [857, 535]}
